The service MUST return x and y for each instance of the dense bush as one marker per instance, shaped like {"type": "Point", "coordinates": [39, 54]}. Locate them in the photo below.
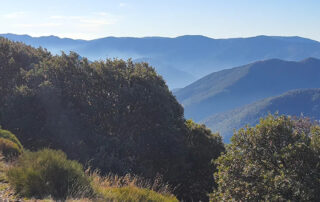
{"type": "Point", "coordinates": [203, 146]}
{"type": "Point", "coordinates": [117, 115]}
{"type": "Point", "coordinates": [278, 160]}
{"type": "Point", "coordinates": [48, 173]}
{"type": "Point", "coordinates": [10, 146]}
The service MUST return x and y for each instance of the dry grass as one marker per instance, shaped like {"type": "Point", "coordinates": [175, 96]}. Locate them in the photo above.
{"type": "Point", "coordinates": [129, 180]}
{"type": "Point", "coordinates": [130, 188]}
{"type": "Point", "coordinates": [111, 188]}
{"type": "Point", "coordinates": [114, 188]}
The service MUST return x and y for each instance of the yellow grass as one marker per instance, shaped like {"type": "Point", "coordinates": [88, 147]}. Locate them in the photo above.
{"type": "Point", "coordinates": [131, 188]}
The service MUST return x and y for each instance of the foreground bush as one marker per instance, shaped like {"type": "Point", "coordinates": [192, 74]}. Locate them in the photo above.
{"type": "Point", "coordinates": [48, 173]}
{"type": "Point", "coordinates": [10, 146]}
{"type": "Point", "coordinates": [278, 160]}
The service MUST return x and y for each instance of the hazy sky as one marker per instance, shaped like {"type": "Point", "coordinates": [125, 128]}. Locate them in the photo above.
{"type": "Point", "coordinates": [214, 18]}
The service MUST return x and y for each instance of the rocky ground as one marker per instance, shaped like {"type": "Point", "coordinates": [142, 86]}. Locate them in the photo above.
{"type": "Point", "coordinates": [6, 194]}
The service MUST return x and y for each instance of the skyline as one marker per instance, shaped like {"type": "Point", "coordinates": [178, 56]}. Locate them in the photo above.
{"type": "Point", "coordinates": [143, 18]}
{"type": "Point", "coordinates": [137, 37]}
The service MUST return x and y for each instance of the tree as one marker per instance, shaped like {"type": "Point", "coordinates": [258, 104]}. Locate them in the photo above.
{"type": "Point", "coordinates": [203, 147]}
{"type": "Point", "coordinates": [115, 115]}
{"type": "Point", "coordinates": [278, 160]}
{"type": "Point", "coordinates": [16, 58]}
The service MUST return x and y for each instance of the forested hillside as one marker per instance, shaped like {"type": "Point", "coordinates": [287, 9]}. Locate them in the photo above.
{"type": "Point", "coordinates": [302, 102]}
{"type": "Point", "coordinates": [228, 89]}
{"type": "Point", "coordinates": [189, 57]}
{"type": "Point", "coordinates": [116, 116]}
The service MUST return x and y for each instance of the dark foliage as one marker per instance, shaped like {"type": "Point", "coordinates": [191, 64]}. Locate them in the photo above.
{"type": "Point", "coordinates": [114, 115]}
{"type": "Point", "coordinates": [203, 146]}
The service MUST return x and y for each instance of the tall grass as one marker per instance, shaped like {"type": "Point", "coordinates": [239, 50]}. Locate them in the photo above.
{"type": "Point", "coordinates": [49, 174]}
{"type": "Point", "coordinates": [131, 188]}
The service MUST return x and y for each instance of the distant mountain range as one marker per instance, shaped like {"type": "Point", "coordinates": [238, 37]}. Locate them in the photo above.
{"type": "Point", "coordinates": [228, 89]}
{"type": "Point", "coordinates": [184, 59]}
{"type": "Point", "coordinates": [299, 102]}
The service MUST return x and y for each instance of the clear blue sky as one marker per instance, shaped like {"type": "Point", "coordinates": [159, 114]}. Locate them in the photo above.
{"type": "Point", "coordinates": [214, 18]}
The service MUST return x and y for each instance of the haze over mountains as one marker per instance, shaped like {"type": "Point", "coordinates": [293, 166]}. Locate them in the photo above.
{"type": "Point", "coordinates": [299, 102]}
{"type": "Point", "coordinates": [228, 89]}
{"type": "Point", "coordinates": [184, 59]}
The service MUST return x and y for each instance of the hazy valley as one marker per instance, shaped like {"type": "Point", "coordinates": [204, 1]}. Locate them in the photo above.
{"type": "Point", "coordinates": [182, 60]}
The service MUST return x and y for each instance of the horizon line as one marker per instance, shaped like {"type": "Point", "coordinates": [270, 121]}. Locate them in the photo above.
{"type": "Point", "coordinates": [168, 37]}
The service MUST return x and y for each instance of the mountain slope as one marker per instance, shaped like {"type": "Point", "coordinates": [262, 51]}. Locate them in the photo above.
{"type": "Point", "coordinates": [228, 89]}
{"type": "Point", "coordinates": [294, 103]}
{"type": "Point", "coordinates": [192, 56]}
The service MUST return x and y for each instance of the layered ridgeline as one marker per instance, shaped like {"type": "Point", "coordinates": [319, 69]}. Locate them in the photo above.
{"type": "Point", "coordinates": [184, 59]}
{"type": "Point", "coordinates": [228, 89]}
{"type": "Point", "coordinates": [301, 102]}
{"type": "Point", "coordinates": [116, 116]}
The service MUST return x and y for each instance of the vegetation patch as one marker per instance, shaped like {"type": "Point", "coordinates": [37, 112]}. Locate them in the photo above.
{"type": "Point", "coordinates": [277, 160]}
{"type": "Point", "coordinates": [10, 146]}
{"type": "Point", "coordinates": [134, 194]}
{"type": "Point", "coordinates": [131, 188]}
{"type": "Point", "coordinates": [118, 115]}
{"type": "Point", "coordinates": [48, 173]}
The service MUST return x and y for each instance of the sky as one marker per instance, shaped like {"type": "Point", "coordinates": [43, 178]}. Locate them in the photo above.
{"type": "Point", "coordinates": [91, 19]}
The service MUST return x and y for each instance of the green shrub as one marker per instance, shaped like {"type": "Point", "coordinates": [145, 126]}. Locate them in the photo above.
{"type": "Point", "coordinates": [48, 173]}
{"type": "Point", "coordinates": [277, 160]}
{"type": "Point", "coordinates": [9, 149]}
{"type": "Point", "coordinates": [9, 145]}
